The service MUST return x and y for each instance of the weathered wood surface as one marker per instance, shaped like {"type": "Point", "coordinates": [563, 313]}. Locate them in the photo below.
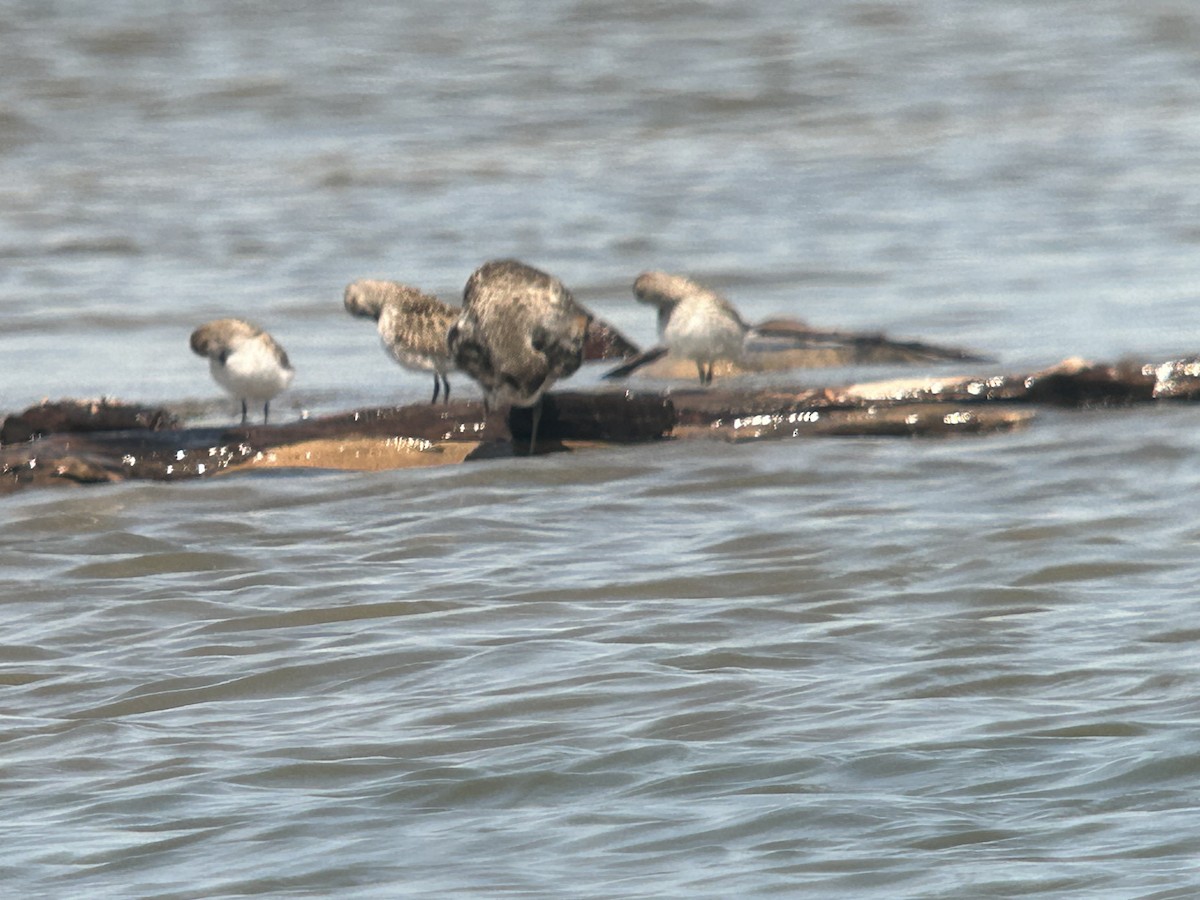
{"type": "Point", "coordinates": [103, 441]}
{"type": "Point", "coordinates": [81, 416]}
{"type": "Point", "coordinates": [1071, 383]}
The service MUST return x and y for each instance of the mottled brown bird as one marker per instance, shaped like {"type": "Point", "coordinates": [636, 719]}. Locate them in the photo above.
{"type": "Point", "coordinates": [519, 332]}
{"type": "Point", "coordinates": [412, 325]}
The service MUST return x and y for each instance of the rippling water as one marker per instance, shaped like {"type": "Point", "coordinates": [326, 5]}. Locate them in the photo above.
{"type": "Point", "coordinates": [859, 668]}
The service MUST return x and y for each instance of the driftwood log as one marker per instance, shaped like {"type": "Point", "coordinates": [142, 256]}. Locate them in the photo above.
{"type": "Point", "coordinates": [103, 441]}
{"type": "Point", "coordinates": [777, 345]}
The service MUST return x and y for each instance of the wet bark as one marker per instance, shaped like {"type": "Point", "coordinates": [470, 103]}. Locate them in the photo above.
{"type": "Point", "coordinates": [81, 416]}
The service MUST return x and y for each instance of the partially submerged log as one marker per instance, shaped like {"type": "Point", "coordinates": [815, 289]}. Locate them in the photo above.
{"type": "Point", "coordinates": [778, 345]}
{"type": "Point", "coordinates": [103, 441]}
{"type": "Point", "coordinates": [857, 346]}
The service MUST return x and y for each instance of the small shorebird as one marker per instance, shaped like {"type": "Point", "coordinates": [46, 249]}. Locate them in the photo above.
{"type": "Point", "coordinates": [244, 360]}
{"type": "Point", "coordinates": [520, 331]}
{"type": "Point", "coordinates": [693, 321]}
{"type": "Point", "coordinates": [412, 326]}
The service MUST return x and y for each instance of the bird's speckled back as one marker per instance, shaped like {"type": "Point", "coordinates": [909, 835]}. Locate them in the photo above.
{"type": "Point", "coordinates": [519, 332]}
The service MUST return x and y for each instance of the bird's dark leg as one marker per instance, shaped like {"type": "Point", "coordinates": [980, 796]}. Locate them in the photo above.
{"type": "Point", "coordinates": [700, 369]}
{"type": "Point", "coordinates": [446, 391]}
{"type": "Point", "coordinates": [436, 387]}
{"type": "Point", "coordinates": [266, 410]}
{"type": "Point", "coordinates": [537, 417]}
{"type": "Point", "coordinates": [708, 374]}
{"type": "Point", "coordinates": [243, 412]}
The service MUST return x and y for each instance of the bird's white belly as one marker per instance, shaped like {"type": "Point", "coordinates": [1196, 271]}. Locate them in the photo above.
{"type": "Point", "coordinates": [411, 360]}
{"type": "Point", "coordinates": [703, 334]}
{"type": "Point", "coordinates": [251, 372]}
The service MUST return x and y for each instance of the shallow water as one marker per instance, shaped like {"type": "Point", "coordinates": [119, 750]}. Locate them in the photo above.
{"type": "Point", "coordinates": [860, 668]}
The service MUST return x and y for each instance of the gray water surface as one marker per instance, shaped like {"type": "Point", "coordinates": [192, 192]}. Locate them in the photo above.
{"type": "Point", "coordinates": [851, 668]}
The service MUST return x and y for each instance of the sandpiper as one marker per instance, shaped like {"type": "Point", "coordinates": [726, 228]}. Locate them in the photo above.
{"type": "Point", "coordinates": [244, 360]}
{"type": "Point", "coordinates": [412, 325]}
{"type": "Point", "coordinates": [693, 321]}
{"type": "Point", "coordinates": [520, 331]}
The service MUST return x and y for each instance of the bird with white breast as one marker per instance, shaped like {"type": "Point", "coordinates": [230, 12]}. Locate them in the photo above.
{"type": "Point", "coordinates": [694, 322]}
{"type": "Point", "coordinates": [246, 361]}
